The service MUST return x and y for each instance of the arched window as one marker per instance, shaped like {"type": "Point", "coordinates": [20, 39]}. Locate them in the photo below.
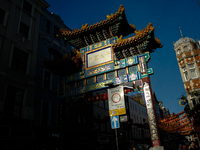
{"type": "Point", "coordinates": [179, 51]}
{"type": "Point", "coordinates": [186, 48]}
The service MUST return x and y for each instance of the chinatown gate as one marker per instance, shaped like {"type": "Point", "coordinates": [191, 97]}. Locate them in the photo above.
{"type": "Point", "coordinates": [106, 57]}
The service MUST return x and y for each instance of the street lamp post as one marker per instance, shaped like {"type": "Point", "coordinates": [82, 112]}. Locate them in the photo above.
{"type": "Point", "coordinates": [193, 114]}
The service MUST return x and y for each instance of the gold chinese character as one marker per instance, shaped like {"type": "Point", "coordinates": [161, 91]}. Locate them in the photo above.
{"type": "Point", "coordinates": [90, 59]}
{"type": "Point", "coordinates": [151, 117]}
{"type": "Point", "coordinates": [152, 126]}
{"type": "Point", "coordinates": [96, 57]}
{"type": "Point", "coordinates": [154, 135]}
{"type": "Point", "coordinates": [101, 56]}
{"type": "Point", "coordinates": [153, 131]}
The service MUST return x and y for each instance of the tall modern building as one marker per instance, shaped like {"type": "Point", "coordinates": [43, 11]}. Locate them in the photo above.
{"type": "Point", "coordinates": [188, 58]}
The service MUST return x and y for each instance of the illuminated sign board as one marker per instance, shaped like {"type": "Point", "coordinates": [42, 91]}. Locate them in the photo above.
{"type": "Point", "coordinates": [98, 57]}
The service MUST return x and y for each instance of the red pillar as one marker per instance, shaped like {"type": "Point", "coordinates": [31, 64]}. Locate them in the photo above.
{"type": "Point", "coordinates": [156, 142]}
{"type": "Point", "coordinates": [153, 124]}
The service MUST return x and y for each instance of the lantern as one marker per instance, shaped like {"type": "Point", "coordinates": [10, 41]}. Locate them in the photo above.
{"type": "Point", "coordinates": [129, 90]}
{"type": "Point", "coordinates": [89, 98]}
{"type": "Point", "coordinates": [105, 96]}
{"type": "Point", "coordinates": [97, 98]}
{"type": "Point", "coordinates": [93, 98]}
{"type": "Point", "coordinates": [101, 97]}
{"type": "Point", "coordinates": [125, 91]}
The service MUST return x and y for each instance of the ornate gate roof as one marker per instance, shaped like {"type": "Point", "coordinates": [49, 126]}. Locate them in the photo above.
{"type": "Point", "coordinates": [143, 41]}
{"type": "Point", "coordinates": [115, 25]}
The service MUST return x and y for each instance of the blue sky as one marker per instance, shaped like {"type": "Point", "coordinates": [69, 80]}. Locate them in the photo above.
{"type": "Point", "coordinates": [166, 17]}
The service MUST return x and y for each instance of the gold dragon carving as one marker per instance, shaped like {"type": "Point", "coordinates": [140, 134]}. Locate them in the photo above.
{"type": "Point", "coordinates": [120, 39]}
{"type": "Point", "coordinates": [121, 9]}
{"type": "Point", "coordinates": [110, 16]}
{"type": "Point", "coordinates": [84, 26]}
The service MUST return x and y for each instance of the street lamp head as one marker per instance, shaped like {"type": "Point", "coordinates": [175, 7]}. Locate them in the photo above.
{"type": "Point", "coordinates": [182, 102]}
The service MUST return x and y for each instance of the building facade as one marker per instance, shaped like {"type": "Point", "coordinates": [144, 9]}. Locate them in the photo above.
{"type": "Point", "coordinates": [188, 58]}
{"type": "Point", "coordinates": [46, 116]}
{"type": "Point", "coordinates": [133, 129]}
{"type": "Point", "coordinates": [139, 117]}
{"type": "Point", "coordinates": [28, 95]}
{"type": "Point", "coordinates": [19, 29]}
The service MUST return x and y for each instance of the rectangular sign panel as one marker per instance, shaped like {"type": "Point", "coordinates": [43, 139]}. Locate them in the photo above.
{"type": "Point", "coordinates": [123, 118]}
{"type": "Point", "coordinates": [114, 122]}
{"type": "Point", "coordinates": [99, 57]}
{"type": "Point", "coordinates": [116, 101]}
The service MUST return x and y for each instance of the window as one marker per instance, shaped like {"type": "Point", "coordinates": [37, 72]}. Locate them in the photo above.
{"type": "Point", "coordinates": [178, 51]}
{"type": "Point", "coordinates": [133, 132]}
{"type": "Point", "coordinates": [24, 30]}
{"type": "Point", "coordinates": [2, 16]}
{"type": "Point", "coordinates": [106, 104]}
{"type": "Point", "coordinates": [185, 73]}
{"type": "Point", "coordinates": [136, 133]}
{"type": "Point", "coordinates": [48, 24]}
{"type": "Point", "coordinates": [47, 79]}
{"type": "Point", "coordinates": [1, 41]}
{"type": "Point", "coordinates": [54, 54]}
{"type": "Point", "coordinates": [186, 48]}
{"type": "Point", "coordinates": [27, 7]}
{"type": "Point", "coordinates": [192, 71]}
{"type": "Point", "coordinates": [195, 45]}
{"type": "Point", "coordinates": [56, 31]}
{"type": "Point", "coordinates": [45, 113]}
{"type": "Point", "coordinates": [194, 102]}
{"type": "Point", "coordinates": [19, 60]}
{"type": "Point", "coordinates": [13, 101]}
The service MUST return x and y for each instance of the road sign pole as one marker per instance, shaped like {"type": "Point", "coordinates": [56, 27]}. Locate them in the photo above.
{"type": "Point", "coordinates": [116, 139]}
{"type": "Point", "coordinates": [116, 107]}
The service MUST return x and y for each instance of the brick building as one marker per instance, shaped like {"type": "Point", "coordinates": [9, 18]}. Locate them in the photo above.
{"type": "Point", "coordinates": [188, 58]}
